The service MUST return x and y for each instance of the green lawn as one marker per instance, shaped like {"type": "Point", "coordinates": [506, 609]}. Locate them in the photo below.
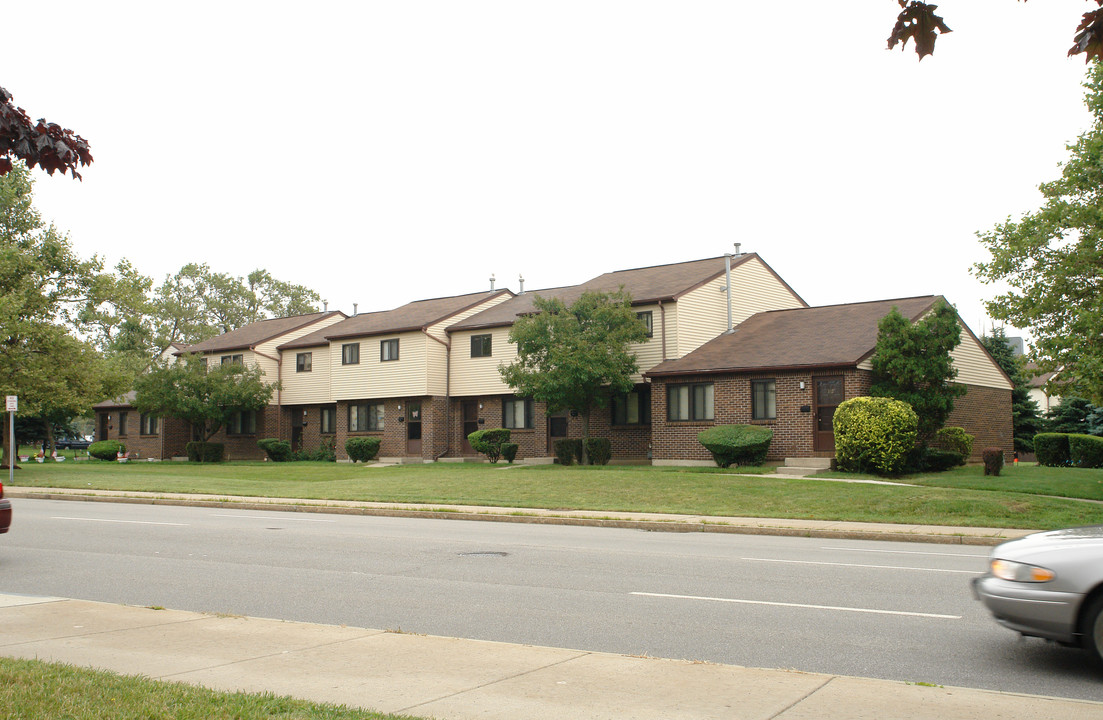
{"type": "Point", "coordinates": [961, 497]}
{"type": "Point", "coordinates": [35, 689]}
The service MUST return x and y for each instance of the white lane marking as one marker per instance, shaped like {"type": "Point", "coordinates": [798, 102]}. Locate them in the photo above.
{"type": "Point", "coordinates": [127, 522]}
{"type": "Point", "coordinates": [274, 517]}
{"type": "Point", "coordinates": [903, 552]}
{"type": "Point", "coordinates": [857, 565]}
{"type": "Point", "coordinates": [801, 605]}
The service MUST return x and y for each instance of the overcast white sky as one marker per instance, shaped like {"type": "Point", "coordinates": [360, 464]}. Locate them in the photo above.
{"type": "Point", "coordinates": [382, 152]}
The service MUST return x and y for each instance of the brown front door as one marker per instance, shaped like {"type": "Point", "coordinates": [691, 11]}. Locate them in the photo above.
{"type": "Point", "coordinates": [413, 427]}
{"type": "Point", "coordinates": [470, 412]}
{"type": "Point", "coordinates": [828, 392]}
{"type": "Point", "coordinates": [557, 430]}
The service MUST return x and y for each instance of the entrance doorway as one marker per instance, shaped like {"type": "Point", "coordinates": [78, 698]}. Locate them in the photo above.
{"type": "Point", "coordinates": [557, 430]}
{"type": "Point", "coordinates": [470, 413]}
{"type": "Point", "coordinates": [413, 427]}
{"type": "Point", "coordinates": [828, 393]}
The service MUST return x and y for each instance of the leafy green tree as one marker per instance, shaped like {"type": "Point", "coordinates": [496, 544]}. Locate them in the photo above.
{"type": "Point", "coordinates": [1052, 260]}
{"type": "Point", "coordinates": [571, 358]}
{"type": "Point", "coordinates": [912, 363]}
{"type": "Point", "coordinates": [42, 285]}
{"type": "Point", "coordinates": [1071, 416]}
{"type": "Point", "coordinates": [1024, 409]}
{"type": "Point", "coordinates": [206, 397]}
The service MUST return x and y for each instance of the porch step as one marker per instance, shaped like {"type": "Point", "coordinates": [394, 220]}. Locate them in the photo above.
{"type": "Point", "coordinates": [799, 467]}
{"type": "Point", "coordinates": [403, 460]}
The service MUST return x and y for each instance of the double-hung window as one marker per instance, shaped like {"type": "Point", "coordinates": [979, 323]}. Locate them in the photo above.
{"type": "Point", "coordinates": [366, 417]}
{"type": "Point", "coordinates": [633, 408]}
{"type": "Point", "coordinates": [388, 350]}
{"type": "Point", "coordinates": [481, 345]}
{"type": "Point", "coordinates": [647, 318]}
{"type": "Point", "coordinates": [329, 420]}
{"type": "Point", "coordinates": [243, 423]}
{"type": "Point", "coordinates": [350, 354]}
{"type": "Point", "coordinates": [689, 402]}
{"type": "Point", "coordinates": [232, 359]}
{"type": "Point", "coordinates": [763, 400]}
{"type": "Point", "coordinates": [122, 423]}
{"type": "Point", "coordinates": [303, 361]}
{"type": "Point", "coordinates": [147, 424]}
{"type": "Point", "coordinates": [517, 414]}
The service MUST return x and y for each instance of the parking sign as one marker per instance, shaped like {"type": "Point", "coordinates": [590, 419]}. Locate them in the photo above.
{"type": "Point", "coordinates": [13, 403]}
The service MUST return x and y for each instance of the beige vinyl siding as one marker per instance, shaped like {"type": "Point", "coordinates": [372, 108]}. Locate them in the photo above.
{"type": "Point", "coordinates": [437, 354]}
{"type": "Point", "coordinates": [758, 290]}
{"type": "Point", "coordinates": [650, 353]}
{"type": "Point", "coordinates": [702, 315]}
{"type": "Point", "coordinates": [405, 377]}
{"type": "Point", "coordinates": [973, 365]}
{"type": "Point", "coordinates": [307, 388]}
{"type": "Point", "coordinates": [439, 330]}
{"type": "Point", "coordinates": [479, 376]}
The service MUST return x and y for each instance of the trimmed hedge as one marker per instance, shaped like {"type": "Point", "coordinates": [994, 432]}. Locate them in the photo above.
{"type": "Point", "coordinates": [599, 451]}
{"type": "Point", "coordinates": [993, 460]}
{"type": "Point", "coordinates": [277, 450]}
{"type": "Point", "coordinates": [1086, 451]}
{"type": "Point", "coordinates": [935, 460]}
{"type": "Point", "coordinates": [874, 434]}
{"type": "Point", "coordinates": [208, 452]}
{"type": "Point", "coordinates": [489, 442]}
{"type": "Point", "coordinates": [1052, 449]}
{"type": "Point", "coordinates": [509, 451]}
{"type": "Point", "coordinates": [362, 449]}
{"type": "Point", "coordinates": [568, 451]}
{"type": "Point", "coordinates": [955, 439]}
{"type": "Point", "coordinates": [106, 449]}
{"type": "Point", "coordinates": [737, 444]}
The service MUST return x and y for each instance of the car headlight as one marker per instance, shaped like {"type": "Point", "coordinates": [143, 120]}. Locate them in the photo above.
{"type": "Point", "coordinates": [1021, 572]}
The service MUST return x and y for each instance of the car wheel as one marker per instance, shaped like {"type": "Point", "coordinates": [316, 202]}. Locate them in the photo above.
{"type": "Point", "coordinates": [1093, 628]}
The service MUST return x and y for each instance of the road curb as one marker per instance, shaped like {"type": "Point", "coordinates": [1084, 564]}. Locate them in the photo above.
{"type": "Point", "coordinates": [526, 517]}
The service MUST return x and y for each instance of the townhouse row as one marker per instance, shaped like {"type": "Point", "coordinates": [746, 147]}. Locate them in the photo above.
{"type": "Point", "coordinates": [423, 376]}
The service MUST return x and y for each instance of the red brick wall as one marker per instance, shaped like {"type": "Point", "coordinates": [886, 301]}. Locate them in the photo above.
{"type": "Point", "coordinates": [985, 413]}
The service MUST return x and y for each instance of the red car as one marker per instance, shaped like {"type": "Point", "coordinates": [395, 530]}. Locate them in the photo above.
{"type": "Point", "coordinates": [5, 511]}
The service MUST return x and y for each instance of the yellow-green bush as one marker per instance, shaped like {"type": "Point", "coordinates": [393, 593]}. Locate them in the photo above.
{"type": "Point", "coordinates": [874, 434]}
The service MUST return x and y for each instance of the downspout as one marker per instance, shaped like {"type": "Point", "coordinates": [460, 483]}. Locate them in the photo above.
{"type": "Point", "coordinates": [447, 391]}
{"type": "Point", "coordinates": [279, 388]}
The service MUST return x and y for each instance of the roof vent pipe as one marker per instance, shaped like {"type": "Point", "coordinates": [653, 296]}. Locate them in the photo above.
{"type": "Point", "coordinates": [325, 306]}
{"type": "Point", "coordinates": [737, 250]}
{"type": "Point", "coordinates": [354, 305]}
{"type": "Point", "coordinates": [491, 282]}
{"type": "Point", "coordinates": [521, 282]}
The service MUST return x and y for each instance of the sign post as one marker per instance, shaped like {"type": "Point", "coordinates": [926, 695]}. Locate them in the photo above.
{"type": "Point", "coordinates": [12, 406]}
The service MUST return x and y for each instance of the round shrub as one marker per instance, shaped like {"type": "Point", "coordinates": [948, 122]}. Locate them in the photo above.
{"type": "Point", "coordinates": [106, 449]}
{"type": "Point", "coordinates": [993, 460]}
{"type": "Point", "coordinates": [955, 439]}
{"type": "Point", "coordinates": [599, 451]}
{"type": "Point", "coordinates": [509, 451]}
{"type": "Point", "coordinates": [1052, 449]}
{"type": "Point", "coordinates": [737, 444]}
{"type": "Point", "coordinates": [489, 442]}
{"type": "Point", "coordinates": [209, 452]}
{"type": "Point", "coordinates": [362, 449]}
{"type": "Point", "coordinates": [935, 460]}
{"type": "Point", "coordinates": [1086, 451]}
{"type": "Point", "coordinates": [568, 451]}
{"type": "Point", "coordinates": [874, 434]}
{"type": "Point", "coordinates": [276, 449]}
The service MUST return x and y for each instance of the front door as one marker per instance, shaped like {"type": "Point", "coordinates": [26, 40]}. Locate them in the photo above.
{"type": "Point", "coordinates": [828, 393]}
{"type": "Point", "coordinates": [557, 430]}
{"type": "Point", "coordinates": [413, 427]}
{"type": "Point", "coordinates": [470, 411]}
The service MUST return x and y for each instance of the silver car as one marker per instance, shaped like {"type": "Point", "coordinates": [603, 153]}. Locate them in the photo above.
{"type": "Point", "coordinates": [1049, 585]}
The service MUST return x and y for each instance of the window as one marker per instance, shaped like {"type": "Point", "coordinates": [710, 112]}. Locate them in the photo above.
{"type": "Point", "coordinates": [122, 423]}
{"type": "Point", "coordinates": [388, 350]}
{"type": "Point", "coordinates": [481, 345]}
{"type": "Point", "coordinates": [204, 361]}
{"type": "Point", "coordinates": [689, 402]}
{"type": "Point", "coordinates": [233, 360]}
{"type": "Point", "coordinates": [329, 420]}
{"type": "Point", "coordinates": [632, 408]}
{"type": "Point", "coordinates": [303, 361]}
{"type": "Point", "coordinates": [763, 400]}
{"type": "Point", "coordinates": [243, 422]}
{"type": "Point", "coordinates": [646, 318]}
{"type": "Point", "coordinates": [366, 418]}
{"type": "Point", "coordinates": [517, 414]}
{"type": "Point", "coordinates": [147, 424]}
{"type": "Point", "coordinates": [350, 354]}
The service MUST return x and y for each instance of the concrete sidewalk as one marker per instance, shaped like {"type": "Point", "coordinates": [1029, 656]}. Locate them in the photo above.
{"type": "Point", "coordinates": [599, 518]}
{"type": "Point", "coordinates": [450, 678]}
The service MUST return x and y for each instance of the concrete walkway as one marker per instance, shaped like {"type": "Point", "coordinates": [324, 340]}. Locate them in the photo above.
{"type": "Point", "coordinates": [450, 678]}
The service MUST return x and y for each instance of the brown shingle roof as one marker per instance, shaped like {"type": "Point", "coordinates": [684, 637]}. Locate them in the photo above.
{"type": "Point", "coordinates": [645, 285]}
{"type": "Point", "coordinates": [833, 335]}
{"type": "Point", "coordinates": [412, 316]}
{"type": "Point", "coordinates": [256, 333]}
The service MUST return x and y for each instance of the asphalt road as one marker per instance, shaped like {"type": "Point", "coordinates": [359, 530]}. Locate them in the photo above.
{"type": "Point", "coordinates": [898, 611]}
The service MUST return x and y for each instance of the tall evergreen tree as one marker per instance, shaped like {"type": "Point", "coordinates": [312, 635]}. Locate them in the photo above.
{"type": "Point", "coordinates": [1024, 409]}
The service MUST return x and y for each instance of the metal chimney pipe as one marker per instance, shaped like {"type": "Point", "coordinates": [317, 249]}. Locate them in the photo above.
{"type": "Point", "coordinates": [728, 280]}
{"type": "Point", "coordinates": [325, 306]}
{"type": "Point", "coordinates": [491, 282]}
{"type": "Point", "coordinates": [354, 309]}
{"type": "Point", "coordinates": [521, 282]}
